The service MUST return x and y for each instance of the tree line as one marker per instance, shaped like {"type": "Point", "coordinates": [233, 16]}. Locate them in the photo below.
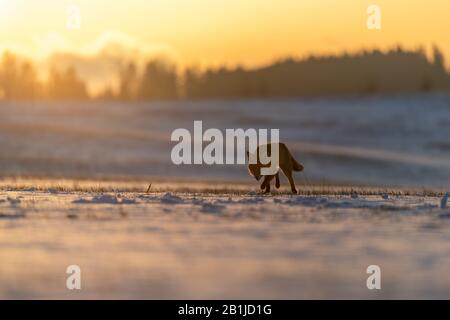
{"type": "Point", "coordinates": [367, 72]}
{"type": "Point", "coordinates": [19, 80]}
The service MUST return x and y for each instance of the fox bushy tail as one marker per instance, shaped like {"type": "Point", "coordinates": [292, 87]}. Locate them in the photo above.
{"type": "Point", "coordinates": [296, 165]}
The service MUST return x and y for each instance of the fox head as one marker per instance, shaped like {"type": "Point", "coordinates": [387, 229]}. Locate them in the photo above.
{"type": "Point", "coordinates": [254, 169]}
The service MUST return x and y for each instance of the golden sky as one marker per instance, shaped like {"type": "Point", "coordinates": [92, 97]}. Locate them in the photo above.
{"type": "Point", "coordinates": [211, 32]}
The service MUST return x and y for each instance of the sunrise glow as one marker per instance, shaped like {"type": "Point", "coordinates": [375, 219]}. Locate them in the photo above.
{"type": "Point", "coordinates": [227, 32]}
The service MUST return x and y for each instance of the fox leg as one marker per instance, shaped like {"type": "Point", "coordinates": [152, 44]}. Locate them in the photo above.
{"type": "Point", "coordinates": [288, 174]}
{"type": "Point", "coordinates": [277, 180]}
{"type": "Point", "coordinates": [266, 184]}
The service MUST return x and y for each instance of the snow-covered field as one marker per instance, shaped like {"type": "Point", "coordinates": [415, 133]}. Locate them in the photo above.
{"type": "Point", "coordinates": [396, 140]}
{"type": "Point", "coordinates": [375, 171]}
{"type": "Point", "coordinates": [198, 241]}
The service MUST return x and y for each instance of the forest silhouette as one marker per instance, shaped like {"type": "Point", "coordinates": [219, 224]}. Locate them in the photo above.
{"type": "Point", "coordinates": [363, 73]}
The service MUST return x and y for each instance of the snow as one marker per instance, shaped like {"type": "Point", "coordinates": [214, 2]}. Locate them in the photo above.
{"type": "Point", "coordinates": [173, 244]}
{"type": "Point", "coordinates": [444, 201]}
{"type": "Point", "coordinates": [391, 140]}
{"type": "Point", "coordinates": [171, 199]}
{"type": "Point", "coordinates": [224, 239]}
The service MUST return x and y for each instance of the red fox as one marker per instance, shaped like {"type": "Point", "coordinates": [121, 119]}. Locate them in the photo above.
{"type": "Point", "coordinates": [286, 163]}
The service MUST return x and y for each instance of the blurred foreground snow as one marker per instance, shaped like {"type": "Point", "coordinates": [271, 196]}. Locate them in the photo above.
{"type": "Point", "coordinates": [186, 245]}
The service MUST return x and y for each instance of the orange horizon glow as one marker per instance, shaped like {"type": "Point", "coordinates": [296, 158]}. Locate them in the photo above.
{"type": "Point", "coordinates": [204, 33]}
{"type": "Point", "coordinates": [225, 31]}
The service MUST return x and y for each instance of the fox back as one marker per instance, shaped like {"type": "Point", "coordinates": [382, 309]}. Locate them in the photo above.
{"type": "Point", "coordinates": [286, 161]}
